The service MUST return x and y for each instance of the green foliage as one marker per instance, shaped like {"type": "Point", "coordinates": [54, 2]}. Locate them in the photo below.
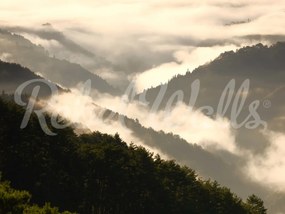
{"type": "Point", "coordinates": [99, 173]}
{"type": "Point", "coordinates": [12, 201]}
{"type": "Point", "coordinates": [255, 205]}
{"type": "Point", "coordinates": [17, 202]}
{"type": "Point", "coordinates": [46, 209]}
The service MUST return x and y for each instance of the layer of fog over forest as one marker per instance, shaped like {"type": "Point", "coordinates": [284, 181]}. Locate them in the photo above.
{"type": "Point", "coordinates": [140, 46]}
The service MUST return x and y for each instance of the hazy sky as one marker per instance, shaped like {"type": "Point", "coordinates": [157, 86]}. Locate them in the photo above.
{"type": "Point", "coordinates": [149, 40]}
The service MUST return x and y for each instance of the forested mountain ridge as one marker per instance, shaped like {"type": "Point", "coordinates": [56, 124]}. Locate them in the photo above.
{"type": "Point", "coordinates": [13, 75]}
{"type": "Point", "coordinates": [99, 173]}
{"type": "Point", "coordinates": [206, 163]}
{"type": "Point", "coordinates": [17, 49]}
{"type": "Point", "coordinates": [263, 66]}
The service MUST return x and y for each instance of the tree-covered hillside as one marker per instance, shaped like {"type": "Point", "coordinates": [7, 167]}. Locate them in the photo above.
{"type": "Point", "coordinates": [263, 66]}
{"type": "Point", "coordinates": [20, 50]}
{"type": "Point", "coordinates": [98, 173]}
{"type": "Point", "coordinates": [12, 75]}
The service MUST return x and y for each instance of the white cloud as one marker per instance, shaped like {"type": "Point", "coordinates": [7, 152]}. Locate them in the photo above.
{"type": "Point", "coordinates": [186, 60]}
{"type": "Point", "coordinates": [181, 120]}
{"type": "Point", "coordinates": [5, 57]}
{"type": "Point", "coordinates": [80, 109]}
{"type": "Point", "coordinates": [268, 169]}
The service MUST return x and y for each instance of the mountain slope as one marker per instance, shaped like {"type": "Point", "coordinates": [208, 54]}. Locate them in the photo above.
{"type": "Point", "coordinates": [13, 75]}
{"type": "Point", "coordinates": [96, 172]}
{"type": "Point", "coordinates": [15, 48]}
{"type": "Point", "coordinates": [173, 146]}
{"type": "Point", "coordinates": [263, 66]}
{"type": "Point", "coordinates": [206, 163]}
